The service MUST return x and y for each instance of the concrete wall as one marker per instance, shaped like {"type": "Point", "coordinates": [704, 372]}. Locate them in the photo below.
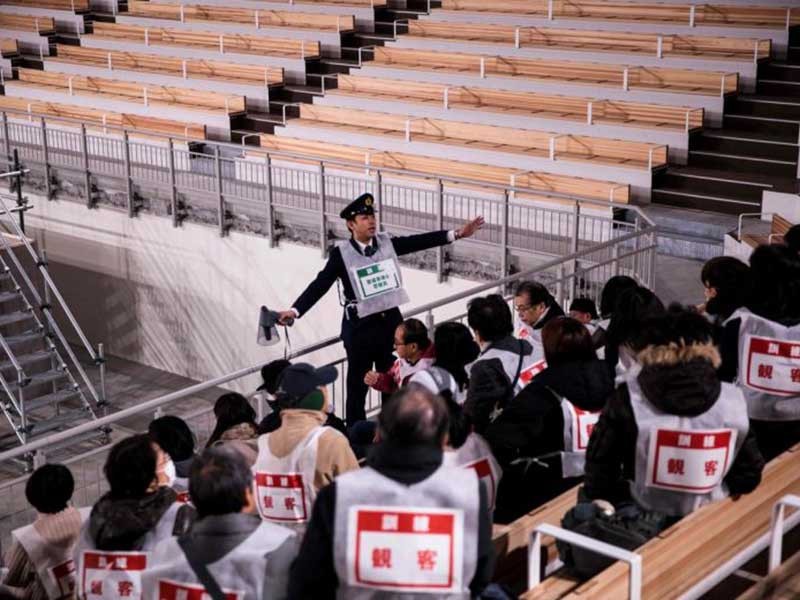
{"type": "Point", "coordinates": [184, 299]}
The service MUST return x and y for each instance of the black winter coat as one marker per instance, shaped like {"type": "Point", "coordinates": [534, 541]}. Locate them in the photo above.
{"type": "Point", "coordinates": [686, 389]}
{"type": "Point", "coordinates": [532, 425]}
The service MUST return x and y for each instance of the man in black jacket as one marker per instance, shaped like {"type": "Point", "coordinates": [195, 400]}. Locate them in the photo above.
{"type": "Point", "coordinates": [403, 479]}
{"type": "Point", "coordinates": [643, 447]}
{"type": "Point", "coordinates": [372, 289]}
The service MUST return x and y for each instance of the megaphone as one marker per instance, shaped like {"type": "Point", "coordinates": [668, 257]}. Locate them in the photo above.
{"type": "Point", "coordinates": [268, 327]}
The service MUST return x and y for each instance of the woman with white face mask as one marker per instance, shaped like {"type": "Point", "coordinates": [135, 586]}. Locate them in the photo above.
{"type": "Point", "coordinates": [177, 443]}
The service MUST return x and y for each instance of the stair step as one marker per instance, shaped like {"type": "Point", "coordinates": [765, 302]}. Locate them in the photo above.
{"type": "Point", "coordinates": [27, 359]}
{"type": "Point", "coordinates": [67, 417]}
{"type": "Point", "coordinates": [41, 379]}
{"type": "Point", "coordinates": [731, 161]}
{"type": "Point", "coordinates": [52, 399]}
{"type": "Point", "coordinates": [24, 337]}
{"type": "Point", "coordinates": [705, 202]}
{"type": "Point", "coordinates": [784, 138]}
{"type": "Point", "coordinates": [9, 296]}
{"type": "Point", "coordinates": [16, 317]}
{"type": "Point", "coordinates": [711, 182]}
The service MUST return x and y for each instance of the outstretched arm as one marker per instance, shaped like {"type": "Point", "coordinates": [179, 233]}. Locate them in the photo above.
{"type": "Point", "coordinates": [416, 243]}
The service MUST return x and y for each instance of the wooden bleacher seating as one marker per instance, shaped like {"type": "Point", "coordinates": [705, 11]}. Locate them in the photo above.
{"type": "Point", "coordinates": [366, 3]}
{"type": "Point", "coordinates": [27, 23]}
{"type": "Point", "coordinates": [130, 91]}
{"type": "Point", "coordinates": [8, 46]}
{"type": "Point", "coordinates": [623, 153]}
{"type": "Point", "coordinates": [682, 81]}
{"type": "Point", "coordinates": [208, 40]}
{"type": "Point", "coordinates": [432, 167]}
{"type": "Point", "coordinates": [778, 229]}
{"type": "Point", "coordinates": [102, 118]}
{"type": "Point", "coordinates": [693, 548]}
{"type": "Point", "coordinates": [245, 16]}
{"type": "Point", "coordinates": [655, 12]}
{"type": "Point", "coordinates": [70, 5]}
{"type": "Point", "coordinates": [154, 63]}
{"type": "Point", "coordinates": [716, 47]}
{"type": "Point", "coordinates": [612, 112]}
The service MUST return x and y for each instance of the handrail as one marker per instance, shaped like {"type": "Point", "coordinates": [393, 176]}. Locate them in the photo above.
{"type": "Point", "coordinates": [320, 345]}
{"type": "Point", "coordinates": [359, 165]}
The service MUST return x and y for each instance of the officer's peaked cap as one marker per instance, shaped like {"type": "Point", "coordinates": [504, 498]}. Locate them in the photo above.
{"type": "Point", "coordinates": [363, 205]}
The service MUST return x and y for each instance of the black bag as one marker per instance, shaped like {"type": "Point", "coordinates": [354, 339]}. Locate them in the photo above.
{"type": "Point", "coordinates": [628, 528]}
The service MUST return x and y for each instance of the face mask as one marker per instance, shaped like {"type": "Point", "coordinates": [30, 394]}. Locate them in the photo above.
{"type": "Point", "coordinates": [169, 473]}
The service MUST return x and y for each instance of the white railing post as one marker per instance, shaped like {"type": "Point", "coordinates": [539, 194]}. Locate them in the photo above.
{"type": "Point", "coordinates": [516, 37]}
{"type": "Point", "coordinates": [69, 84]}
{"type": "Point", "coordinates": [303, 51]}
{"type": "Point", "coordinates": [258, 25]}
{"type": "Point", "coordinates": [446, 98]}
{"type": "Point", "coordinates": [535, 555]}
{"type": "Point", "coordinates": [110, 62]}
{"type": "Point", "coordinates": [660, 46]}
{"type": "Point", "coordinates": [722, 86]}
{"type": "Point", "coordinates": [687, 122]}
{"type": "Point", "coordinates": [183, 17]}
{"type": "Point", "coordinates": [553, 147]}
{"type": "Point", "coordinates": [144, 96]}
{"type": "Point", "coordinates": [692, 15]}
{"type": "Point", "coordinates": [625, 79]}
{"type": "Point", "coordinates": [483, 67]}
{"type": "Point", "coordinates": [184, 71]}
{"type": "Point", "coordinates": [589, 113]}
{"type": "Point", "coordinates": [146, 36]}
{"type": "Point", "coordinates": [408, 130]}
{"type": "Point", "coordinates": [788, 18]}
{"type": "Point", "coordinates": [650, 159]}
{"type": "Point", "coordinates": [222, 44]}
{"type": "Point", "coordinates": [549, 10]}
{"type": "Point", "coordinates": [776, 529]}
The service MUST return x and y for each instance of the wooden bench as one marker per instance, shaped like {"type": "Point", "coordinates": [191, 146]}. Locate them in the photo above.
{"type": "Point", "coordinates": [778, 229]}
{"type": "Point", "coordinates": [684, 81]}
{"type": "Point", "coordinates": [594, 41]}
{"type": "Point", "coordinates": [8, 46]}
{"type": "Point", "coordinates": [490, 137]}
{"type": "Point", "coordinates": [704, 540]}
{"type": "Point", "coordinates": [70, 5]}
{"type": "Point", "coordinates": [129, 91]}
{"type": "Point", "coordinates": [208, 40]}
{"type": "Point", "coordinates": [27, 23]}
{"type": "Point", "coordinates": [655, 12]}
{"type": "Point", "coordinates": [153, 63]}
{"type": "Point", "coordinates": [364, 3]}
{"type": "Point", "coordinates": [433, 167]}
{"type": "Point", "coordinates": [50, 110]}
{"type": "Point", "coordinates": [245, 16]}
{"type": "Point", "coordinates": [548, 106]}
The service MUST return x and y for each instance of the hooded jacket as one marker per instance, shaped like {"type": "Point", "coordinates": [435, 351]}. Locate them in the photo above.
{"type": "Point", "coordinates": [490, 387]}
{"type": "Point", "coordinates": [121, 524]}
{"type": "Point", "coordinates": [680, 381]}
{"type": "Point", "coordinates": [532, 425]}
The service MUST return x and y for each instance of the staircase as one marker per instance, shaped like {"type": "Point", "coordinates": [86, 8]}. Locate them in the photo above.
{"type": "Point", "coordinates": [43, 387]}
{"type": "Point", "coordinates": [756, 149]}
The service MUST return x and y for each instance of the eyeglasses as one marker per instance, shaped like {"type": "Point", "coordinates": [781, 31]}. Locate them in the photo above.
{"type": "Point", "coordinates": [400, 343]}
{"type": "Point", "coordinates": [523, 308]}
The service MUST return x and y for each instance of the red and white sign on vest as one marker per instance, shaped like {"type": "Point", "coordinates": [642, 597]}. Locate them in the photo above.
{"type": "Point", "coordinates": [526, 375]}
{"type": "Point", "coordinates": [483, 469]}
{"type": "Point", "coordinates": [689, 461]}
{"type": "Point", "coordinates": [112, 575]}
{"type": "Point", "coordinates": [582, 424]}
{"type": "Point", "coordinates": [281, 497]}
{"type": "Point", "coordinates": [411, 550]}
{"type": "Point", "coordinates": [773, 366]}
{"type": "Point", "coordinates": [64, 576]}
{"type": "Point", "coordinates": [174, 590]}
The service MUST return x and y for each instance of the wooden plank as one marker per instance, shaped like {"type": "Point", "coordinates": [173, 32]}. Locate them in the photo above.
{"type": "Point", "coordinates": [55, 110]}
{"type": "Point", "coordinates": [70, 5]}
{"type": "Point", "coordinates": [27, 23]}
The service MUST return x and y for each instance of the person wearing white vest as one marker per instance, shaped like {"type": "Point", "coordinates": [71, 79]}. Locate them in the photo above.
{"type": "Point", "coordinates": [535, 307]}
{"type": "Point", "coordinates": [126, 523]}
{"type": "Point", "coordinates": [497, 375]}
{"type": "Point", "coordinates": [405, 526]}
{"type": "Point", "coordinates": [760, 349]}
{"type": "Point", "coordinates": [229, 549]}
{"type": "Point", "coordinates": [302, 455]}
{"type": "Point", "coordinates": [673, 437]}
{"type": "Point", "coordinates": [542, 435]}
{"type": "Point", "coordinates": [39, 562]}
{"type": "Point", "coordinates": [371, 292]}
{"type": "Point", "coordinates": [415, 352]}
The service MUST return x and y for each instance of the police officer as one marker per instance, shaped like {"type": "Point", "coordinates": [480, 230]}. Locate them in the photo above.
{"type": "Point", "coordinates": [372, 285]}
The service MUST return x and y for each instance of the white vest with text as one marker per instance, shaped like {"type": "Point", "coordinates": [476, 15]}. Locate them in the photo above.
{"type": "Point", "coordinates": [578, 426]}
{"type": "Point", "coordinates": [117, 575]}
{"type": "Point", "coordinates": [377, 280]}
{"type": "Point", "coordinates": [769, 367]}
{"type": "Point", "coordinates": [406, 541]}
{"type": "Point", "coordinates": [241, 574]}
{"type": "Point", "coordinates": [284, 487]}
{"type": "Point", "coordinates": [681, 461]}
{"type": "Point", "coordinates": [476, 454]}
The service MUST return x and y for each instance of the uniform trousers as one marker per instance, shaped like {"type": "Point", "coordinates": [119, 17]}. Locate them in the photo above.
{"type": "Point", "coordinates": [367, 341]}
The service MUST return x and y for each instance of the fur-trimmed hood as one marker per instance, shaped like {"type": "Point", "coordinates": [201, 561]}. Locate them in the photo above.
{"type": "Point", "coordinates": [680, 379]}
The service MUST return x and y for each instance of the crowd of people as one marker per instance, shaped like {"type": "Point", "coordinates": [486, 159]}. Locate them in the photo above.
{"type": "Point", "coordinates": [653, 411]}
